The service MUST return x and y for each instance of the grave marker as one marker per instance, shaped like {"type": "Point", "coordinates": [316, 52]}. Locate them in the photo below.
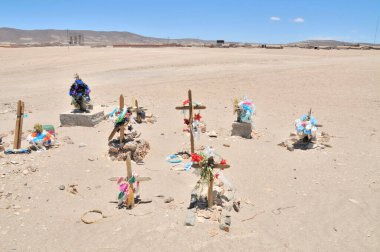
{"type": "Point", "coordinates": [190, 107]}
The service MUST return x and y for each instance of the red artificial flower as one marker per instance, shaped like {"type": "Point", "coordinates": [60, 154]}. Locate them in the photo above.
{"type": "Point", "coordinates": [186, 102]}
{"type": "Point", "coordinates": [223, 162]}
{"type": "Point", "coordinates": [196, 158]}
{"type": "Point", "coordinates": [217, 176]}
{"type": "Point", "coordinates": [186, 121]}
{"type": "Point", "coordinates": [197, 117]}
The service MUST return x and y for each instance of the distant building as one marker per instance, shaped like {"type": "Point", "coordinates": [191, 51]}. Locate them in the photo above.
{"type": "Point", "coordinates": [220, 42]}
{"type": "Point", "coordinates": [75, 39]}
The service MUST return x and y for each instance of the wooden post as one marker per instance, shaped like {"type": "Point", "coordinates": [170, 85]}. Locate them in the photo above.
{"type": "Point", "coordinates": [19, 122]}
{"type": "Point", "coordinates": [131, 197]}
{"type": "Point", "coordinates": [138, 116]}
{"type": "Point", "coordinates": [121, 107]}
{"type": "Point", "coordinates": [191, 108]}
{"type": "Point", "coordinates": [191, 122]}
{"type": "Point", "coordinates": [210, 195]}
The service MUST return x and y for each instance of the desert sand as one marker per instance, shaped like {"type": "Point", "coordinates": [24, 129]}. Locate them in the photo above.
{"type": "Point", "coordinates": [314, 200]}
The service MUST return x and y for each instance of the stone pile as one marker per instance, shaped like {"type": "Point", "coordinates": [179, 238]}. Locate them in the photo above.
{"type": "Point", "coordinates": [133, 144]}
{"type": "Point", "coordinates": [221, 211]}
{"type": "Point", "coordinates": [294, 142]}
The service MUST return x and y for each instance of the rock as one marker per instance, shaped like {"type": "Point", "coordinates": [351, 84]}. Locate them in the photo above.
{"type": "Point", "coordinates": [81, 145]}
{"type": "Point", "coordinates": [67, 140]}
{"type": "Point", "coordinates": [236, 206]}
{"type": "Point", "coordinates": [212, 134]}
{"type": "Point", "coordinates": [130, 147]}
{"type": "Point", "coordinates": [204, 213]}
{"type": "Point", "coordinates": [25, 172]}
{"type": "Point", "coordinates": [226, 145]}
{"type": "Point", "coordinates": [168, 200]}
{"type": "Point", "coordinates": [190, 218]}
{"type": "Point", "coordinates": [32, 169]}
{"type": "Point", "coordinates": [78, 118]}
{"type": "Point", "coordinates": [215, 216]}
{"type": "Point", "coordinates": [61, 187]}
{"type": "Point", "coordinates": [229, 195]}
{"type": "Point", "coordinates": [225, 223]}
{"type": "Point", "coordinates": [91, 159]}
{"type": "Point", "coordinates": [290, 147]}
{"type": "Point", "coordinates": [224, 227]}
{"type": "Point", "coordinates": [242, 129]}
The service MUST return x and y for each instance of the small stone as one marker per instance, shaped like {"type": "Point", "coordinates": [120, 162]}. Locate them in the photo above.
{"type": "Point", "coordinates": [81, 145]}
{"type": "Point", "coordinates": [290, 147]}
{"type": "Point", "coordinates": [224, 227]}
{"type": "Point", "coordinates": [32, 169]}
{"type": "Point", "coordinates": [91, 159]}
{"type": "Point", "coordinates": [61, 187]}
{"type": "Point", "coordinates": [190, 218]}
{"type": "Point", "coordinates": [25, 172]}
{"type": "Point", "coordinates": [354, 201]}
{"type": "Point", "coordinates": [204, 214]}
{"type": "Point", "coordinates": [226, 145]}
{"type": "Point", "coordinates": [168, 200]}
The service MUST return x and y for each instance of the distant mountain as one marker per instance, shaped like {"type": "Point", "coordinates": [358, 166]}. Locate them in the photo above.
{"type": "Point", "coordinates": [328, 43]}
{"type": "Point", "coordinates": [61, 37]}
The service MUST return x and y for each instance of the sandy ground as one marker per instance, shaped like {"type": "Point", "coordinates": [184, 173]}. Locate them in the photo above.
{"type": "Point", "coordinates": [316, 200]}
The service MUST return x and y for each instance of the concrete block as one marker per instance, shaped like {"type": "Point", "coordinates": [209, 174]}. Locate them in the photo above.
{"type": "Point", "coordinates": [242, 129]}
{"type": "Point", "coordinates": [76, 117]}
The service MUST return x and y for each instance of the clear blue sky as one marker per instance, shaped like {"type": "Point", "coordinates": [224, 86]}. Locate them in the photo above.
{"type": "Point", "coordinates": [276, 21]}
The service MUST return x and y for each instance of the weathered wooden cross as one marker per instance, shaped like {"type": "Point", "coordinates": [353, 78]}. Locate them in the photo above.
{"type": "Point", "coordinates": [210, 195]}
{"type": "Point", "coordinates": [19, 122]}
{"type": "Point", "coordinates": [130, 202]}
{"type": "Point", "coordinates": [191, 107]}
{"type": "Point", "coordinates": [120, 127]}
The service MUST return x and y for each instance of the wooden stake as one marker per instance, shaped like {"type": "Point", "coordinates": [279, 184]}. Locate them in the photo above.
{"type": "Point", "coordinates": [21, 123]}
{"type": "Point", "coordinates": [210, 196]}
{"type": "Point", "coordinates": [129, 166]}
{"type": "Point", "coordinates": [191, 122]}
{"type": "Point", "coordinates": [131, 197]}
{"type": "Point", "coordinates": [121, 107]}
{"type": "Point", "coordinates": [191, 108]}
{"type": "Point", "coordinates": [138, 116]}
{"type": "Point", "coordinates": [16, 141]}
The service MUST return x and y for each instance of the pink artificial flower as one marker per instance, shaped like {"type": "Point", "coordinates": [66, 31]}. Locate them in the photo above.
{"type": "Point", "coordinates": [124, 187]}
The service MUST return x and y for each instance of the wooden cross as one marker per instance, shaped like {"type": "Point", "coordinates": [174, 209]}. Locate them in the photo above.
{"type": "Point", "coordinates": [138, 110]}
{"type": "Point", "coordinates": [191, 107]}
{"type": "Point", "coordinates": [210, 195]}
{"type": "Point", "coordinates": [19, 122]}
{"type": "Point", "coordinates": [121, 127]}
{"type": "Point", "coordinates": [130, 202]}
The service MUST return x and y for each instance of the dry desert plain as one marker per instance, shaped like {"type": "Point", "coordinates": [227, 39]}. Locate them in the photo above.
{"type": "Point", "coordinates": [315, 200]}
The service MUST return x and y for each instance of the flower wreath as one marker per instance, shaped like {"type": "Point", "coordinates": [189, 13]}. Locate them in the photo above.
{"type": "Point", "coordinates": [306, 126]}
{"type": "Point", "coordinates": [125, 187]}
{"type": "Point", "coordinates": [207, 161]}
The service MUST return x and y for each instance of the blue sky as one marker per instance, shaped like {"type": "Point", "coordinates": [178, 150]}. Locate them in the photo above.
{"type": "Point", "coordinates": [233, 20]}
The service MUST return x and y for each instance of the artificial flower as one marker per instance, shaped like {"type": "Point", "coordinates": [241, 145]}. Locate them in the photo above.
{"type": "Point", "coordinates": [196, 158]}
{"type": "Point", "coordinates": [197, 117]}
